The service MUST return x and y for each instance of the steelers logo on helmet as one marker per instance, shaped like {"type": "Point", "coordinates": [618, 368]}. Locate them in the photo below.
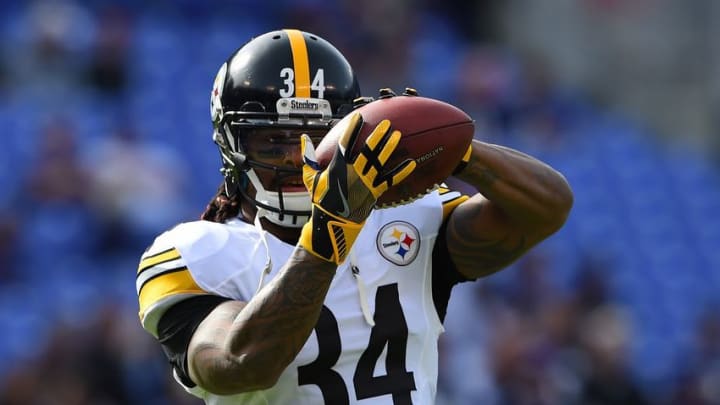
{"type": "Point", "coordinates": [399, 242]}
{"type": "Point", "coordinates": [216, 108]}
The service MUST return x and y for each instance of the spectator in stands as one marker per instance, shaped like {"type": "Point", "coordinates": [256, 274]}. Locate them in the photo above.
{"type": "Point", "coordinates": [605, 336]}
{"type": "Point", "coordinates": [9, 270]}
{"type": "Point", "coordinates": [47, 50]}
{"type": "Point", "coordinates": [59, 175]}
{"type": "Point", "coordinates": [108, 65]}
{"type": "Point", "coordinates": [137, 187]}
{"type": "Point", "coordinates": [699, 382]}
{"type": "Point", "coordinates": [54, 212]}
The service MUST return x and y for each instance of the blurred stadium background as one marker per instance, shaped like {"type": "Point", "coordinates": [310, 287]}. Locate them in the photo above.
{"type": "Point", "coordinates": [104, 113]}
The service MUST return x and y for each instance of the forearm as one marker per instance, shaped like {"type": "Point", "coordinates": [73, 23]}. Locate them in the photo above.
{"type": "Point", "coordinates": [273, 327]}
{"type": "Point", "coordinates": [528, 191]}
{"type": "Point", "coordinates": [245, 348]}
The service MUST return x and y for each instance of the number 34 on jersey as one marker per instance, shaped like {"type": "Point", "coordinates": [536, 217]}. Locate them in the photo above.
{"type": "Point", "coordinates": [390, 331]}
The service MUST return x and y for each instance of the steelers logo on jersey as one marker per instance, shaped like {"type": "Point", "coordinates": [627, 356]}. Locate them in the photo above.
{"type": "Point", "coordinates": [399, 242]}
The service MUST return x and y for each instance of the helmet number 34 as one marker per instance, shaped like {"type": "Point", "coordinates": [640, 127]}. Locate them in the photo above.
{"type": "Point", "coordinates": [288, 75]}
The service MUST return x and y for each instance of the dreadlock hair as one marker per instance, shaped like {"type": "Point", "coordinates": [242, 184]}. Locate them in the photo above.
{"type": "Point", "coordinates": [221, 207]}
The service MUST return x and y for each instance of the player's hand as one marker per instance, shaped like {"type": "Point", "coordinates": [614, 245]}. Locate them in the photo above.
{"type": "Point", "coordinates": [344, 194]}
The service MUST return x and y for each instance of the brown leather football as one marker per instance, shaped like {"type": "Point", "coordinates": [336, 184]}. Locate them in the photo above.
{"type": "Point", "coordinates": [434, 133]}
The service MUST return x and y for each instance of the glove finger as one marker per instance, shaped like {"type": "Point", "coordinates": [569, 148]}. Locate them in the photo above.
{"type": "Point", "coordinates": [308, 151]}
{"type": "Point", "coordinates": [378, 134]}
{"type": "Point", "coordinates": [310, 166]}
{"type": "Point", "coordinates": [400, 172]}
{"type": "Point", "coordinates": [391, 141]}
{"type": "Point", "coordinates": [350, 134]}
{"type": "Point", "coordinates": [361, 164]}
{"type": "Point", "coordinates": [369, 158]}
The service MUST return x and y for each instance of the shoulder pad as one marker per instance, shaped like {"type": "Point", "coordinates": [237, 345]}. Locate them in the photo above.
{"type": "Point", "coordinates": [163, 275]}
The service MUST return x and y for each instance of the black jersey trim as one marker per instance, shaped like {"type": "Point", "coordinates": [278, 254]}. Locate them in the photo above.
{"type": "Point", "coordinates": [177, 326]}
{"type": "Point", "coordinates": [444, 274]}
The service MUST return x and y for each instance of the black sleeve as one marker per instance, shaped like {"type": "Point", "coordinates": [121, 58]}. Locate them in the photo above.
{"type": "Point", "coordinates": [177, 326]}
{"type": "Point", "coordinates": [444, 273]}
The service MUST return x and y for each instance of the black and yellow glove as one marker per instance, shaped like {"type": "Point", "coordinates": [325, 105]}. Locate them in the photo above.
{"type": "Point", "coordinates": [344, 194]}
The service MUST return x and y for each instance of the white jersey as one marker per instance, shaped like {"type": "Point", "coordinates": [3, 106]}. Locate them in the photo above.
{"type": "Point", "coordinates": [394, 361]}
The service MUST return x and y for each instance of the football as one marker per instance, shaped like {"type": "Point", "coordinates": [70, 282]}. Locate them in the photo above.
{"type": "Point", "coordinates": [435, 134]}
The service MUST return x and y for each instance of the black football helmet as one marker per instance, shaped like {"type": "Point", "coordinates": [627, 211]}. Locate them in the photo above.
{"type": "Point", "coordinates": [276, 87]}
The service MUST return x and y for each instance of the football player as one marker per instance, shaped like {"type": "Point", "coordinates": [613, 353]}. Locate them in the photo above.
{"type": "Point", "coordinates": [293, 288]}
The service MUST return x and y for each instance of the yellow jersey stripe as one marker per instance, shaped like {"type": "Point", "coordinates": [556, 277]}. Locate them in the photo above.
{"type": "Point", "coordinates": [301, 64]}
{"type": "Point", "coordinates": [449, 206]}
{"type": "Point", "coordinates": [166, 284]}
{"type": "Point", "coordinates": [450, 201]}
{"type": "Point", "coordinates": [162, 257]}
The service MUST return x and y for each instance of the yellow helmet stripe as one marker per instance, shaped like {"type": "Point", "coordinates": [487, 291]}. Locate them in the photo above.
{"type": "Point", "coordinates": [175, 282]}
{"type": "Point", "coordinates": [164, 256]}
{"type": "Point", "coordinates": [301, 64]}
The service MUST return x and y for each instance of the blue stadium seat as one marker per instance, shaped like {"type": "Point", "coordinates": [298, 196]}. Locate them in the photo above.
{"type": "Point", "coordinates": [26, 316]}
{"type": "Point", "coordinates": [55, 231]}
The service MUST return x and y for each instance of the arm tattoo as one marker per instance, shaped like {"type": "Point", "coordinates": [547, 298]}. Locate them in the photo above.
{"type": "Point", "coordinates": [243, 345]}
{"type": "Point", "coordinates": [542, 174]}
{"type": "Point", "coordinates": [477, 256]}
{"type": "Point", "coordinates": [478, 174]}
{"type": "Point", "coordinates": [522, 201]}
{"type": "Point", "coordinates": [487, 176]}
{"type": "Point", "coordinates": [275, 324]}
